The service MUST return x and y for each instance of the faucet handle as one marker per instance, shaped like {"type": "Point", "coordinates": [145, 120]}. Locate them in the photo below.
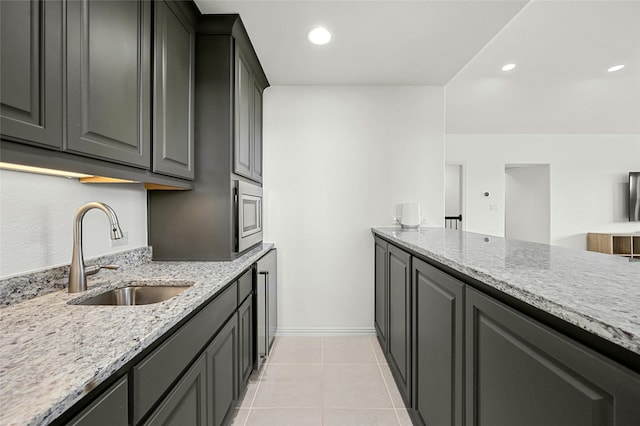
{"type": "Point", "coordinates": [94, 269]}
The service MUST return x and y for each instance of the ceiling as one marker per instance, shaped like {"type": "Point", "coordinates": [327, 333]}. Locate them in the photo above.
{"type": "Point", "coordinates": [562, 49]}
{"type": "Point", "coordinates": [561, 85]}
{"type": "Point", "coordinates": [373, 42]}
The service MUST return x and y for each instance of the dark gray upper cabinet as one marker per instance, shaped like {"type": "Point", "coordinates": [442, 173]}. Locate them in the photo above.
{"type": "Point", "coordinates": [31, 72]}
{"type": "Point", "coordinates": [243, 146]}
{"type": "Point", "coordinates": [248, 120]}
{"type": "Point", "coordinates": [399, 337]}
{"type": "Point", "coordinates": [186, 404]}
{"type": "Point", "coordinates": [520, 372]}
{"type": "Point", "coordinates": [110, 409]}
{"type": "Point", "coordinates": [174, 78]}
{"type": "Point", "coordinates": [108, 80]}
{"type": "Point", "coordinates": [438, 337]}
{"type": "Point", "coordinates": [381, 291]}
{"type": "Point", "coordinates": [256, 167]}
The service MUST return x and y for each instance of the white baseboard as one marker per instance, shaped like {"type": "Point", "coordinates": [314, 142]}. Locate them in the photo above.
{"type": "Point", "coordinates": [326, 331]}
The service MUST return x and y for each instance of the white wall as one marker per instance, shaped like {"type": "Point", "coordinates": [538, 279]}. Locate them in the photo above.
{"type": "Point", "coordinates": [588, 180]}
{"type": "Point", "coordinates": [337, 160]}
{"type": "Point", "coordinates": [36, 220]}
{"type": "Point", "coordinates": [527, 203]}
{"type": "Point", "coordinates": [452, 191]}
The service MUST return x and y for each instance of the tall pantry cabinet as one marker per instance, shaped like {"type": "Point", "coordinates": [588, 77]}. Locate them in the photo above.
{"type": "Point", "coordinates": [200, 224]}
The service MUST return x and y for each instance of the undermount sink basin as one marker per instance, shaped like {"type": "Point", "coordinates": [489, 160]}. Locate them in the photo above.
{"type": "Point", "coordinates": [134, 295]}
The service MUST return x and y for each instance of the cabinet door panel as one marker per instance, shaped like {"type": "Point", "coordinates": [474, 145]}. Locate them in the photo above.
{"type": "Point", "coordinates": [186, 403]}
{"type": "Point", "coordinates": [31, 71]}
{"type": "Point", "coordinates": [245, 318]}
{"type": "Point", "coordinates": [222, 373]}
{"type": "Point", "coordinates": [257, 134]}
{"type": "Point", "coordinates": [520, 372]}
{"type": "Point", "coordinates": [243, 119]}
{"type": "Point", "coordinates": [108, 80]}
{"type": "Point", "coordinates": [399, 270]}
{"type": "Point", "coordinates": [110, 409]}
{"type": "Point", "coordinates": [438, 345]}
{"type": "Point", "coordinates": [174, 92]}
{"type": "Point", "coordinates": [381, 290]}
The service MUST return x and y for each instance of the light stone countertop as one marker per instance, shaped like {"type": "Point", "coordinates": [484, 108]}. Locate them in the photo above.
{"type": "Point", "coordinates": [597, 292]}
{"type": "Point", "coordinates": [53, 353]}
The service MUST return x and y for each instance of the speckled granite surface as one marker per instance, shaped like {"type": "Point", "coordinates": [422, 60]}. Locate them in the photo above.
{"type": "Point", "coordinates": [53, 353]}
{"type": "Point", "coordinates": [24, 287]}
{"type": "Point", "coordinates": [597, 292]}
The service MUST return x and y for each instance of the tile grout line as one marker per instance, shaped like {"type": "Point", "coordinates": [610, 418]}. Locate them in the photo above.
{"type": "Point", "coordinates": [386, 386]}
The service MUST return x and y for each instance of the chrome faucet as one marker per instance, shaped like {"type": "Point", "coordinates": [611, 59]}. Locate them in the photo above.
{"type": "Point", "coordinates": [77, 273]}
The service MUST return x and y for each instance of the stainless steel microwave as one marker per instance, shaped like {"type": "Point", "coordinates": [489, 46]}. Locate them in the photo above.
{"type": "Point", "coordinates": [248, 200]}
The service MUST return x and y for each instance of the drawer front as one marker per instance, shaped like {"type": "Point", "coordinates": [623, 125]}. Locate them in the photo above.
{"type": "Point", "coordinates": [153, 376]}
{"type": "Point", "coordinates": [108, 410]}
{"type": "Point", "coordinates": [245, 285]}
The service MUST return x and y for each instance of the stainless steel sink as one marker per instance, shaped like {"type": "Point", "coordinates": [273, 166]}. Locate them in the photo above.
{"type": "Point", "coordinates": [134, 295]}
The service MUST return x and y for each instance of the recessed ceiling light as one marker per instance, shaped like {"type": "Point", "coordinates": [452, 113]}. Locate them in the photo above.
{"type": "Point", "coordinates": [319, 35]}
{"type": "Point", "coordinates": [615, 68]}
{"type": "Point", "coordinates": [508, 67]}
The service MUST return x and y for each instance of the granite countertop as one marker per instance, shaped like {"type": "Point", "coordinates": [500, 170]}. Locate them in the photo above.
{"type": "Point", "coordinates": [597, 292]}
{"type": "Point", "coordinates": [53, 353]}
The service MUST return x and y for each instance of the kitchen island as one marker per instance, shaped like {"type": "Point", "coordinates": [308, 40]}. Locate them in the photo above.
{"type": "Point", "coordinates": [479, 329]}
{"type": "Point", "coordinates": [53, 353]}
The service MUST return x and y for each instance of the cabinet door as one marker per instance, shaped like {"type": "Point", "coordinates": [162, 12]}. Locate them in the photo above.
{"type": "Point", "coordinates": [256, 142]}
{"type": "Point", "coordinates": [381, 290]}
{"type": "Point", "coordinates": [243, 152]}
{"type": "Point", "coordinates": [108, 80]}
{"type": "Point", "coordinates": [222, 373]}
{"type": "Point", "coordinates": [31, 71]}
{"type": "Point", "coordinates": [174, 61]}
{"type": "Point", "coordinates": [438, 305]}
{"type": "Point", "coordinates": [186, 403]}
{"type": "Point", "coordinates": [246, 338]}
{"type": "Point", "coordinates": [519, 372]}
{"type": "Point", "coordinates": [110, 409]}
{"type": "Point", "coordinates": [399, 276]}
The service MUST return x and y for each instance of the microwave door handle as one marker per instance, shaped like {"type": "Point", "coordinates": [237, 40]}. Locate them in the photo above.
{"type": "Point", "coordinates": [260, 215]}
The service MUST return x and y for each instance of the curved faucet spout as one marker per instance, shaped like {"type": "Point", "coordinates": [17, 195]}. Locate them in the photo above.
{"type": "Point", "coordinates": [77, 275]}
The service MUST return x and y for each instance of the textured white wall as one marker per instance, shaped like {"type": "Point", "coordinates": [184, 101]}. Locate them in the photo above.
{"type": "Point", "coordinates": [589, 175]}
{"type": "Point", "coordinates": [527, 204]}
{"type": "Point", "coordinates": [36, 219]}
{"type": "Point", "coordinates": [337, 160]}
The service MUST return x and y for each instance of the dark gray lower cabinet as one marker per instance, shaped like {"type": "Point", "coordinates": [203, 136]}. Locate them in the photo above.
{"type": "Point", "coordinates": [222, 373]}
{"type": "Point", "coordinates": [472, 360]}
{"type": "Point", "coordinates": [186, 405]}
{"type": "Point", "coordinates": [110, 409]}
{"type": "Point", "coordinates": [245, 323]}
{"type": "Point", "coordinates": [399, 277]}
{"type": "Point", "coordinates": [519, 372]}
{"type": "Point", "coordinates": [381, 290]}
{"type": "Point", "coordinates": [438, 327]}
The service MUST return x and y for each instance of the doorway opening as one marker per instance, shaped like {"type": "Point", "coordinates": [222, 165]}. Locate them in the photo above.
{"type": "Point", "coordinates": [527, 211]}
{"type": "Point", "coordinates": [453, 195]}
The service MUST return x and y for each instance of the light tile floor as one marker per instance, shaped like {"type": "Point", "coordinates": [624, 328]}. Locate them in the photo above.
{"type": "Point", "coordinates": [331, 381]}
